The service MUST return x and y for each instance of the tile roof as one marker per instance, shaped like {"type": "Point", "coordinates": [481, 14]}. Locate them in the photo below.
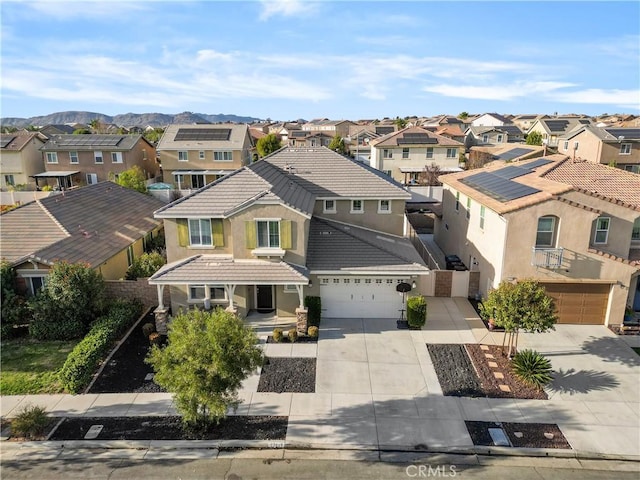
{"type": "Point", "coordinates": [96, 221]}
{"type": "Point", "coordinates": [14, 142]}
{"type": "Point", "coordinates": [334, 246]}
{"type": "Point", "coordinates": [391, 139]}
{"type": "Point", "coordinates": [91, 142]}
{"type": "Point", "coordinates": [220, 269]}
{"type": "Point", "coordinates": [236, 139]}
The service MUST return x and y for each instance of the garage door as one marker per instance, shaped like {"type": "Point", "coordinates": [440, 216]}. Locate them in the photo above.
{"type": "Point", "coordinates": [360, 297]}
{"type": "Point", "coordinates": [580, 303]}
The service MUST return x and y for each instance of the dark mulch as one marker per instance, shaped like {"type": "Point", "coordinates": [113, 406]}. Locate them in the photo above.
{"type": "Point", "coordinates": [126, 370]}
{"type": "Point", "coordinates": [454, 370]}
{"type": "Point", "coordinates": [523, 435]}
{"type": "Point", "coordinates": [476, 306]}
{"type": "Point", "coordinates": [489, 383]}
{"type": "Point", "coordinates": [288, 374]}
{"type": "Point", "coordinates": [171, 428]}
{"type": "Point", "coordinates": [301, 339]}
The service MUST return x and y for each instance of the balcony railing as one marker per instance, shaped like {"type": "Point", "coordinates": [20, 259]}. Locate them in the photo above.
{"type": "Point", "coordinates": [547, 257]}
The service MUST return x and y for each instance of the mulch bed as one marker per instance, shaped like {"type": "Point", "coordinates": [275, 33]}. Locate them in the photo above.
{"type": "Point", "coordinates": [301, 339]}
{"type": "Point", "coordinates": [288, 374]}
{"type": "Point", "coordinates": [126, 370]}
{"type": "Point", "coordinates": [454, 370]}
{"type": "Point", "coordinates": [170, 428]}
{"type": "Point", "coordinates": [521, 435]}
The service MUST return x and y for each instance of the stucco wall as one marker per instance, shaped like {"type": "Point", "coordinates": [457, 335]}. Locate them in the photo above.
{"type": "Point", "coordinates": [384, 222]}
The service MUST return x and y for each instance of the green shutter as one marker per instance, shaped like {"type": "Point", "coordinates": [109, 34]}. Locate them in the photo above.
{"type": "Point", "coordinates": [217, 232]}
{"type": "Point", "coordinates": [250, 234]}
{"type": "Point", "coordinates": [183, 232]}
{"type": "Point", "coordinates": [285, 235]}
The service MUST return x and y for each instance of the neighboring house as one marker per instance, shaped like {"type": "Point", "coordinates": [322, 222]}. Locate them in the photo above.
{"type": "Point", "coordinates": [328, 127]}
{"type": "Point", "coordinates": [56, 129]}
{"type": "Point", "coordinates": [483, 136]}
{"type": "Point", "coordinates": [403, 155]}
{"type": "Point", "coordinates": [20, 159]}
{"type": "Point", "coordinates": [298, 222]}
{"type": "Point", "coordinates": [552, 128]}
{"type": "Point", "coordinates": [444, 121]}
{"type": "Point", "coordinates": [283, 130]}
{"type": "Point", "coordinates": [454, 132]}
{"type": "Point", "coordinates": [574, 226]}
{"type": "Point", "coordinates": [72, 160]}
{"type": "Point", "coordinates": [490, 120]}
{"type": "Point", "coordinates": [525, 122]}
{"type": "Point", "coordinates": [478, 156]}
{"type": "Point", "coordinates": [104, 225]}
{"type": "Point", "coordinates": [303, 138]}
{"type": "Point", "coordinates": [618, 147]}
{"type": "Point", "coordinates": [358, 142]}
{"type": "Point", "coordinates": [194, 155]}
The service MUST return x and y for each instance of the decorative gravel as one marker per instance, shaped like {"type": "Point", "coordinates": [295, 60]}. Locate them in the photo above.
{"type": "Point", "coordinates": [454, 370]}
{"type": "Point", "coordinates": [301, 339]}
{"type": "Point", "coordinates": [288, 374]}
{"type": "Point", "coordinates": [170, 428]}
{"type": "Point", "coordinates": [522, 435]}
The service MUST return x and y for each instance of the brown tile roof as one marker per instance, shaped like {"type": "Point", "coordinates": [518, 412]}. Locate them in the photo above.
{"type": "Point", "coordinates": [14, 142]}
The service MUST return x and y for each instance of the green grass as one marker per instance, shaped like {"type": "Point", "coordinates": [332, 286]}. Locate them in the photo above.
{"type": "Point", "coordinates": [30, 367]}
{"type": "Point", "coordinates": [636, 349]}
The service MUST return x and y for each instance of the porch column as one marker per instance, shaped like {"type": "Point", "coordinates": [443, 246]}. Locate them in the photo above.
{"type": "Point", "coordinates": [207, 297]}
{"type": "Point", "coordinates": [160, 289]}
{"type": "Point", "coordinates": [299, 288]}
{"type": "Point", "coordinates": [161, 313]}
{"type": "Point", "coordinates": [230, 289]}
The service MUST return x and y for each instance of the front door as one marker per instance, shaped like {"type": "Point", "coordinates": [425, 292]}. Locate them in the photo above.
{"type": "Point", "coordinates": [264, 298]}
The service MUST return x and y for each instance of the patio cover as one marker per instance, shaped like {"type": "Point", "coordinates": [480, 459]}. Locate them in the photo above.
{"type": "Point", "coordinates": [55, 174]}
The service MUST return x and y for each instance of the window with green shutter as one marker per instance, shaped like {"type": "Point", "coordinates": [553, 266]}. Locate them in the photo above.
{"type": "Point", "coordinates": [183, 232]}
{"type": "Point", "coordinates": [285, 235]}
{"type": "Point", "coordinates": [218, 232]}
{"type": "Point", "coordinates": [250, 234]}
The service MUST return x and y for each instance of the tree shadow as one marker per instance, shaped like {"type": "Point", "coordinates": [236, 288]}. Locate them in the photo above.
{"type": "Point", "coordinates": [611, 350]}
{"type": "Point", "coordinates": [581, 381]}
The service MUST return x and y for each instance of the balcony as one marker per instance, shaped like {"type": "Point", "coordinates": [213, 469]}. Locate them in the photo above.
{"type": "Point", "coordinates": [547, 257]}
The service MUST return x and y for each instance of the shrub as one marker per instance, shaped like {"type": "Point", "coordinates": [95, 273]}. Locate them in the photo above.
{"type": "Point", "coordinates": [293, 335]}
{"type": "Point", "coordinates": [83, 360]}
{"type": "Point", "coordinates": [145, 265]}
{"type": "Point", "coordinates": [14, 309]}
{"type": "Point", "coordinates": [416, 311]}
{"type": "Point", "coordinates": [31, 422]}
{"type": "Point", "coordinates": [47, 188]}
{"type": "Point", "coordinates": [313, 332]}
{"type": "Point", "coordinates": [148, 329]}
{"type": "Point", "coordinates": [532, 368]}
{"type": "Point", "coordinates": [314, 306]}
{"type": "Point", "coordinates": [277, 334]}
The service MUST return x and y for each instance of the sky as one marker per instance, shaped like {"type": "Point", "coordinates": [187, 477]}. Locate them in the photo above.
{"type": "Point", "coordinates": [286, 60]}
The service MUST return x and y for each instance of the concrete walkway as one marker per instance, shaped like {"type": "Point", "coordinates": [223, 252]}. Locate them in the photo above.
{"type": "Point", "coordinates": [376, 388]}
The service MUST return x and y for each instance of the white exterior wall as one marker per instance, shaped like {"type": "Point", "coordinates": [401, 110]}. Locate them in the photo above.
{"type": "Point", "coordinates": [487, 121]}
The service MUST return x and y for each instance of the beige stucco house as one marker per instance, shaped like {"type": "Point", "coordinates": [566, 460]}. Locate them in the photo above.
{"type": "Point", "coordinates": [552, 128]}
{"type": "Point", "coordinates": [20, 159]}
{"type": "Point", "coordinates": [194, 155]}
{"type": "Point", "coordinates": [298, 222]}
{"type": "Point", "coordinates": [575, 226]}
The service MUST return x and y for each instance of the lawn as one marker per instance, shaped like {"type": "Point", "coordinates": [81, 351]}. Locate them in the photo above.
{"type": "Point", "coordinates": [30, 367]}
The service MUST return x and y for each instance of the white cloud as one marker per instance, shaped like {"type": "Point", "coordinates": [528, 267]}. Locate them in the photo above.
{"type": "Point", "coordinates": [624, 98]}
{"type": "Point", "coordinates": [94, 9]}
{"type": "Point", "coordinates": [286, 8]}
{"type": "Point", "coordinates": [497, 91]}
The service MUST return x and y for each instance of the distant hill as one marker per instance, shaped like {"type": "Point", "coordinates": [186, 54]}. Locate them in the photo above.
{"type": "Point", "coordinates": [125, 120]}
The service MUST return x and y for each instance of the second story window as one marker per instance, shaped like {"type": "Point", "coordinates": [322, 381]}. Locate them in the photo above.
{"type": "Point", "coordinates": [97, 155]}
{"type": "Point", "coordinates": [485, 138]}
{"type": "Point", "coordinates": [429, 152]}
{"type": "Point", "coordinates": [482, 214]}
{"type": "Point", "coordinates": [452, 153]}
{"type": "Point", "coordinates": [200, 232]}
{"type": "Point", "coordinates": [223, 156]}
{"type": "Point", "coordinates": [268, 233]}
{"type": "Point", "coordinates": [387, 153]}
{"type": "Point", "coordinates": [635, 233]}
{"type": "Point", "coordinates": [468, 208]}
{"type": "Point", "coordinates": [52, 157]}
{"type": "Point", "coordinates": [357, 206]}
{"type": "Point", "coordinates": [116, 157]}
{"type": "Point", "coordinates": [566, 145]}
{"type": "Point", "coordinates": [405, 153]}
{"type": "Point", "coordinates": [73, 157]}
{"type": "Point", "coordinates": [183, 156]}
{"type": "Point", "coordinates": [546, 233]}
{"type": "Point", "coordinates": [329, 206]}
{"type": "Point", "coordinates": [602, 230]}
{"type": "Point", "coordinates": [625, 149]}
{"type": "Point", "coordinates": [457, 201]}
{"type": "Point", "coordinates": [500, 137]}
{"type": "Point", "coordinates": [384, 206]}
{"type": "Point", "coordinates": [201, 155]}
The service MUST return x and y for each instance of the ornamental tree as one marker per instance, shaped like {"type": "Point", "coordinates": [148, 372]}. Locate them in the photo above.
{"type": "Point", "coordinates": [268, 144]}
{"type": "Point", "coordinates": [523, 305]}
{"type": "Point", "coordinates": [134, 179]}
{"type": "Point", "coordinates": [534, 138]}
{"type": "Point", "coordinates": [207, 356]}
{"type": "Point", "coordinates": [337, 145]}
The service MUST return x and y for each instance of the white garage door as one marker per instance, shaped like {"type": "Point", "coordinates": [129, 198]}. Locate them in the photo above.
{"type": "Point", "coordinates": [360, 297]}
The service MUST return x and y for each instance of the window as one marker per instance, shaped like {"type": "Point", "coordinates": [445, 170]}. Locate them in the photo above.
{"type": "Point", "coordinates": [602, 230]}
{"type": "Point", "coordinates": [384, 206]}
{"type": "Point", "coordinates": [405, 153]}
{"type": "Point", "coordinates": [35, 284]}
{"type": "Point", "coordinates": [429, 152]}
{"type": "Point", "coordinates": [92, 178]}
{"type": "Point", "coordinates": [566, 145]}
{"type": "Point", "coordinates": [468, 208]}
{"type": "Point", "coordinates": [457, 201]}
{"type": "Point", "coordinates": [197, 181]}
{"type": "Point", "coordinates": [52, 157]}
{"type": "Point", "coordinates": [329, 206]}
{"type": "Point", "coordinates": [116, 157]}
{"type": "Point", "coordinates": [73, 157]}
{"type": "Point", "coordinates": [223, 156]}
{"type": "Point", "coordinates": [575, 144]}
{"type": "Point", "coordinates": [632, 168]}
{"type": "Point", "coordinates": [198, 292]}
{"type": "Point", "coordinates": [97, 155]}
{"type": "Point", "coordinates": [635, 233]}
{"type": "Point", "coordinates": [9, 180]}
{"type": "Point", "coordinates": [485, 138]}
{"type": "Point", "coordinates": [200, 232]}
{"type": "Point", "coordinates": [387, 153]}
{"type": "Point", "coordinates": [183, 156]}
{"type": "Point", "coordinates": [290, 289]}
{"type": "Point", "coordinates": [201, 155]}
{"type": "Point", "coordinates": [346, 280]}
{"type": "Point", "coordinates": [545, 235]}
{"type": "Point", "coordinates": [356, 206]}
{"type": "Point", "coordinates": [482, 212]}
{"type": "Point", "coordinates": [452, 153]}
{"type": "Point", "coordinates": [625, 149]}
{"type": "Point", "coordinates": [499, 139]}
{"type": "Point", "coordinates": [130, 255]}
{"type": "Point", "coordinates": [268, 233]}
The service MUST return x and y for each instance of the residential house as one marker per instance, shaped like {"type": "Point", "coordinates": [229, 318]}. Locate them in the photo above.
{"type": "Point", "coordinates": [573, 226]}
{"type": "Point", "coordinates": [491, 135]}
{"type": "Point", "coordinates": [72, 160]}
{"type": "Point", "coordinates": [20, 158]}
{"type": "Point", "coordinates": [304, 138]}
{"type": "Point", "coordinates": [299, 222]}
{"type": "Point", "coordinates": [328, 127]}
{"type": "Point", "coordinates": [490, 120]}
{"type": "Point", "coordinates": [56, 129]}
{"type": "Point", "coordinates": [552, 128]}
{"type": "Point", "coordinates": [525, 122]}
{"type": "Point", "coordinates": [194, 155]}
{"type": "Point", "coordinates": [453, 132]}
{"type": "Point", "coordinates": [619, 147]}
{"type": "Point", "coordinates": [479, 156]}
{"type": "Point", "coordinates": [441, 121]}
{"type": "Point", "coordinates": [104, 225]}
{"type": "Point", "coordinates": [404, 154]}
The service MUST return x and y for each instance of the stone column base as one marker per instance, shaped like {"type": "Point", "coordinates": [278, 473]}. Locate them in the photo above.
{"type": "Point", "coordinates": [231, 309]}
{"type": "Point", "coordinates": [301, 320]}
{"type": "Point", "coordinates": [162, 320]}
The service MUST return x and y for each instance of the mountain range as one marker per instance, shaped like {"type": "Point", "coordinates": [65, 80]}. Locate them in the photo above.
{"type": "Point", "coordinates": [124, 120]}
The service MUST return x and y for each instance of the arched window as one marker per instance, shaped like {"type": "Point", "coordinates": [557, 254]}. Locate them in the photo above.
{"type": "Point", "coordinates": [547, 229]}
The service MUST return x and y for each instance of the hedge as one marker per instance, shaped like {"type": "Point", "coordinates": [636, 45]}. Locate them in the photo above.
{"type": "Point", "coordinates": [314, 306]}
{"type": "Point", "coordinates": [84, 359]}
{"type": "Point", "coordinates": [416, 311]}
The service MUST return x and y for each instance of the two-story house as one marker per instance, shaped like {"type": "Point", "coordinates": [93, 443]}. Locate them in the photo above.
{"type": "Point", "coordinates": [194, 155]}
{"type": "Point", "coordinates": [490, 120]}
{"type": "Point", "coordinates": [298, 222]}
{"type": "Point", "coordinates": [574, 226]}
{"type": "Point", "coordinates": [404, 155]}
{"type": "Point", "coordinates": [72, 160]}
{"type": "Point", "coordinates": [618, 147]}
{"type": "Point", "coordinates": [328, 127]}
{"type": "Point", "coordinates": [20, 159]}
{"type": "Point", "coordinates": [552, 128]}
{"type": "Point", "coordinates": [490, 135]}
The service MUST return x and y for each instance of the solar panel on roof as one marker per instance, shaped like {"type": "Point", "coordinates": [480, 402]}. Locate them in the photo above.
{"type": "Point", "coordinates": [627, 133]}
{"type": "Point", "coordinates": [557, 125]}
{"type": "Point", "coordinates": [203, 134]}
{"type": "Point", "coordinates": [514, 153]}
{"type": "Point", "coordinates": [6, 141]}
{"type": "Point", "coordinates": [421, 138]}
{"type": "Point", "coordinates": [511, 172]}
{"type": "Point", "coordinates": [584, 122]}
{"type": "Point", "coordinates": [537, 163]}
{"type": "Point", "coordinates": [87, 140]}
{"type": "Point", "coordinates": [501, 189]}
{"type": "Point", "coordinates": [384, 130]}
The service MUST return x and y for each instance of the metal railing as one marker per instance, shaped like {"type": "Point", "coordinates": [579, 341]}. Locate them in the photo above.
{"type": "Point", "coordinates": [547, 257]}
